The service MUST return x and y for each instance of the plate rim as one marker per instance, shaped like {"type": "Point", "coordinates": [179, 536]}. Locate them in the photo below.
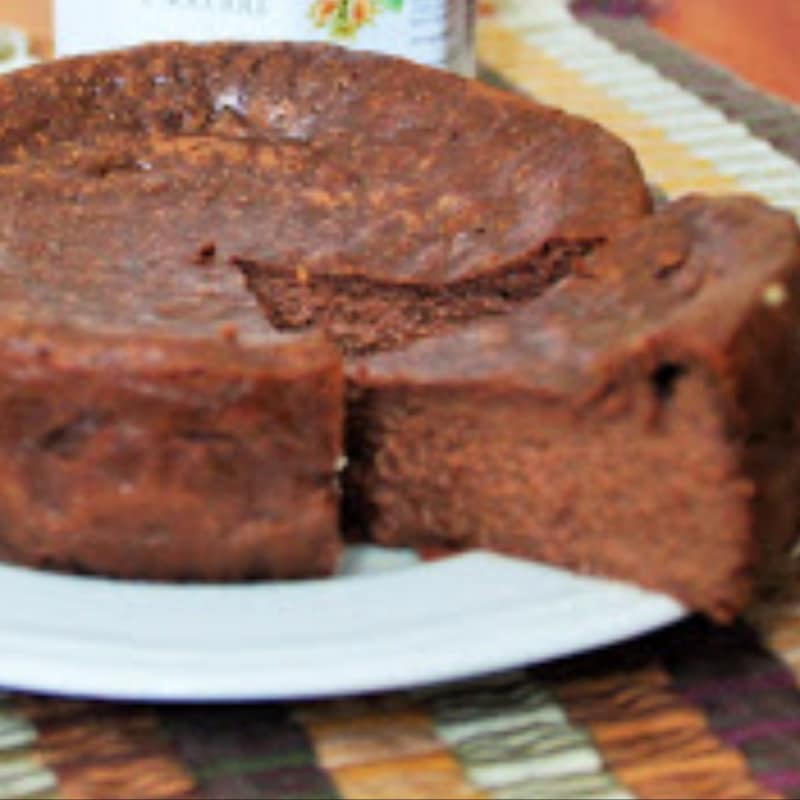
{"type": "Point", "coordinates": [474, 648]}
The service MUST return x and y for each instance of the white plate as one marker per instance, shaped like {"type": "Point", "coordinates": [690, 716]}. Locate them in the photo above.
{"type": "Point", "coordinates": [387, 623]}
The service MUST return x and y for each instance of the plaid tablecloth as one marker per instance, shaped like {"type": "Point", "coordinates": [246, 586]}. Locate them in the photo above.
{"type": "Point", "coordinates": [693, 711]}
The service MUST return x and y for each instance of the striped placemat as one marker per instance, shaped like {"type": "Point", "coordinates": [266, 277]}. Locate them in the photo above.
{"type": "Point", "coordinates": [694, 711]}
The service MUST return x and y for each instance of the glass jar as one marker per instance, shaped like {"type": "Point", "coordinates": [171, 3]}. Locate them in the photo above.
{"type": "Point", "coordinates": [435, 32]}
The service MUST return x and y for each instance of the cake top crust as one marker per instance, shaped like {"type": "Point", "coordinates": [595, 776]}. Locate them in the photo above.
{"type": "Point", "coordinates": [308, 158]}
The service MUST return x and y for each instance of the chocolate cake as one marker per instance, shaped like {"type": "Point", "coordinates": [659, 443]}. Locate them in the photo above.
{"type": "Point", "coordinates": [154, 423]}
{"type": "Point", "coordinates": [634, 421]}
{"type": "Point", "coordinates": [194, 237]}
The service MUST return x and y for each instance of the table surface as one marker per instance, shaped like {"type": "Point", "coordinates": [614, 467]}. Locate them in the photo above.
{"type": "Point", "coordinates": [758, 40]}
{"type": "Point", "coordinates": [693, 711]}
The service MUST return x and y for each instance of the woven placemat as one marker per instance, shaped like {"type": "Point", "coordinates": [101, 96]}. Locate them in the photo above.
{"type": "Point", "coordinates": [693, 711]}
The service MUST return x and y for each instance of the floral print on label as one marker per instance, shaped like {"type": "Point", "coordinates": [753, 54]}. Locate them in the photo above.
{"type": "Point", "coordinates": [344, 18]}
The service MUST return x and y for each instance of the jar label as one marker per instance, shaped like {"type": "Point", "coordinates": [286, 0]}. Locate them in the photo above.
{"type": "Point", "coordinates": [434, 32]}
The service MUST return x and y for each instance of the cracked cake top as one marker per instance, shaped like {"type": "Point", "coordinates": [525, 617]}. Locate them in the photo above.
{"type": "Point", "coordinates": [131, 179]}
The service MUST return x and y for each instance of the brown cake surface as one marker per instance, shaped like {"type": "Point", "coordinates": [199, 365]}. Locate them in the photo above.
{"type": "Point", "coordinates": [314, 160]}
{"type": "Point", "coordinates": [633, 422]}
{"type": "Point", "coordinates": [146, 455]}
{"type": "Point", "coordinates": [154, 424]}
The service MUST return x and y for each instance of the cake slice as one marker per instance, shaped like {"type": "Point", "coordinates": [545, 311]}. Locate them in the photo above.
{"type": "Point", "coordinates": [142, 454]}
{"type": "Point", "coordinates": [154, 425]}
{"type": "Point", "coordinates": [633, 422]}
